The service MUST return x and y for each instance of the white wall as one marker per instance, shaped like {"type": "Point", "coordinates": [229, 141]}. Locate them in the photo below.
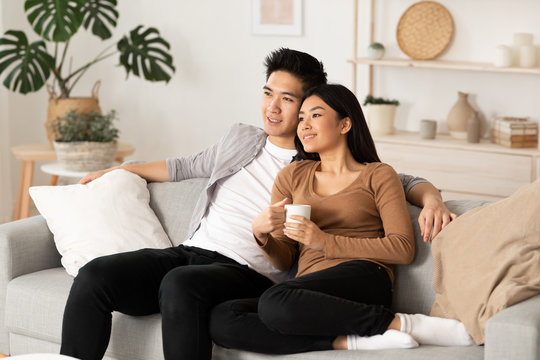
{"type": "Point", "coordinates": [6, 196]}
{"type": "Point", "coordinates": [220, 73]}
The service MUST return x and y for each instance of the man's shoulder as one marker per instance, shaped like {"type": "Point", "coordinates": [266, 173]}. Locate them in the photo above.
{"type": "Point", "coordinates": [245, 130]}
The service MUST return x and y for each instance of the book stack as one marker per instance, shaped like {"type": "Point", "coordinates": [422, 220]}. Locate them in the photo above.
{"type": "Point", "coordinates": [514, 132]}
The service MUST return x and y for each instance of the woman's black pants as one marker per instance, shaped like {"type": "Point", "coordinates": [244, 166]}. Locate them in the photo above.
{"type": "Point", "coordinates": [181, 283]}
{"type": "Point", "coordinates": [309, 312]}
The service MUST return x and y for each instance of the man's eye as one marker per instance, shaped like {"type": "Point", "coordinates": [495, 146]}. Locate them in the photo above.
{"type": "Point", "coordinates": [267, 93]}
{"type": "Point", "coordinates": [288, 99]}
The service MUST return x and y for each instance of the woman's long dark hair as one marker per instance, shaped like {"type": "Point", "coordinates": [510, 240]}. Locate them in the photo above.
{"type": "Point", "coordinates": [345, 104]}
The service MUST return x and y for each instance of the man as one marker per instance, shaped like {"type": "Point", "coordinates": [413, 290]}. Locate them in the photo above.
{"type": "Point", "coordinates": [220, 260]}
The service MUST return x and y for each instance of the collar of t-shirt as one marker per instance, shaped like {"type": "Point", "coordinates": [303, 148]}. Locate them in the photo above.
{"type": "Point", "coordinates": [278, 152]}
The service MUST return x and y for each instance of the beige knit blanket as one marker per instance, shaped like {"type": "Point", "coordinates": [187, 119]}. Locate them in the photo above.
{"type": "Point", "coordinates": [488, 259]}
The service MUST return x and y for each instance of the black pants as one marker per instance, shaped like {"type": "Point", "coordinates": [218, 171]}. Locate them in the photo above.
{"type": "Point", "coordinates": [309, 312]}
{"type": "Point", "coordinates": [181, 283]}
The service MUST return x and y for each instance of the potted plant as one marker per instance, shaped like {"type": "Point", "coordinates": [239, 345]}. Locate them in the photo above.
{"type": "Point", "coordinates": [381, 114]}
{"type": "Point", "coordinates": [30, 65]}
{"type": "Point", "coordinates": [85, 142]}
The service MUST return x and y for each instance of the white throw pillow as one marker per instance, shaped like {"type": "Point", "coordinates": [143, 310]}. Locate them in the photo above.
{"type": "Point", "coordinates": [109, 215]}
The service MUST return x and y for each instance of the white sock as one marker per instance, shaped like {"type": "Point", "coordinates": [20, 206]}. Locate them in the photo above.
{"type": "Point", "coordinates": [431, 330]}
{"type": "Point", "coordinates": [391, 339]}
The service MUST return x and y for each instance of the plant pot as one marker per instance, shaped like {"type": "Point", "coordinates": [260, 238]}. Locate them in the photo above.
{"type": "Point", "coordinates": [380, 118]}
{"type": "Point", "coordinates": [58, 107]}
{"type": "Point", "coordinates": [85, 155]}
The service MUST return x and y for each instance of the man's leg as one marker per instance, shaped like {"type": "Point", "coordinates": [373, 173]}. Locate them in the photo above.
{"type": "Point", "coordinates": [187, 296]}
{"type": "Point", "coordinates": [126, 282]}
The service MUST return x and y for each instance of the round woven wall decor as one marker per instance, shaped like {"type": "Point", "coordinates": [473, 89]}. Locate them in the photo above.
{"type": "Point", "coordinates": [425, 30]}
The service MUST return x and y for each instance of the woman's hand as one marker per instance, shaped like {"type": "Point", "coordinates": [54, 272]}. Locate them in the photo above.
{"type": "Point", "coordinates": [269, 220]}
{"type": "Point", "coordinates": [435, 215]}
{"type": "Point", "coordinates": [307, 233]}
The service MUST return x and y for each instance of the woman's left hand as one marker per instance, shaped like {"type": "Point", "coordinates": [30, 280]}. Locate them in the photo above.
{"type": "Point", "coordinates": [307, 233]}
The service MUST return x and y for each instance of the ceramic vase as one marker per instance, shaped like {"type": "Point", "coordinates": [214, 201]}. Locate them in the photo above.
{"type": "Point", "coordinates": [380, 118]}
{"type": "Point", "coordinates": [458, 117]}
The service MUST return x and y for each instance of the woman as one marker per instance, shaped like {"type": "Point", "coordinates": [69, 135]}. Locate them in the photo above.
{"type": "Point", "coordinates": [359, 226]}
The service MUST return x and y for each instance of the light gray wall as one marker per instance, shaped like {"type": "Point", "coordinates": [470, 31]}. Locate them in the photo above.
{"type": "Point", "coordinates": [220, 74]}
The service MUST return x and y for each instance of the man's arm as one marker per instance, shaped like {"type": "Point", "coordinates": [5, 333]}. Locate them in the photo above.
{"type": "Point", "coordinates": [152, 172]}
{"type": "Point", "coordinates": [434, 215]}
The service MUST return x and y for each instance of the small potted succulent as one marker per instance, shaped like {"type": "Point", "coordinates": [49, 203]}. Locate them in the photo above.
{"type": "Point", "coordinates": [381, 114]}
{"type": "Point", "coordinates": [85, 142]}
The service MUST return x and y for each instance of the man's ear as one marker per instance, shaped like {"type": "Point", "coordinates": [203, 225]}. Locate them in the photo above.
{"type": "Point", "coordinates": [346, 125]}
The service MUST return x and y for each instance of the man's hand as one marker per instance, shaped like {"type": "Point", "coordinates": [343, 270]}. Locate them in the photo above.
{"type": "Point", "coordinates": [269, 220]}
{"type": "Point", "coordinates": [435, 215]}
{"type": "Point", "coordinates": [93, 176]}
{"type": "Point", "coordinates": [307, 233]}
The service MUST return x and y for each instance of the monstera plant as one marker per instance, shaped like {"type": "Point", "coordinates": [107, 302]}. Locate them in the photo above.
{"type": "Point", "coordinates": [29, 65]}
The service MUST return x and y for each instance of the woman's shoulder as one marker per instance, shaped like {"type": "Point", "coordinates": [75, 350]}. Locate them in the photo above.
{"type": "Point", "coordinates": [380, 170]}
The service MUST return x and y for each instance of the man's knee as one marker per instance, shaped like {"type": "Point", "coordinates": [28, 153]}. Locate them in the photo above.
{"type": "Point", "coordinates": [181, 287]}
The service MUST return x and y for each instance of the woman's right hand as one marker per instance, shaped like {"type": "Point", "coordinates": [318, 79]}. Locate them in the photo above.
{"type": "Point", "coordinates": [270, 219]}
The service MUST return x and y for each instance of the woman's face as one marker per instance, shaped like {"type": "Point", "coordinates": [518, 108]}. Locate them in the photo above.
{"type": "Point", "coordinates": [319, 127]}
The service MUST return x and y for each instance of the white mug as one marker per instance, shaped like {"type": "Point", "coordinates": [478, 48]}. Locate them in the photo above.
{"type": "Point", "coordinates": [295, 209]}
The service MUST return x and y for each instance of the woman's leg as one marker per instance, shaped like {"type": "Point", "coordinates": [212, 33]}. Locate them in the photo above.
{"type": "Point", "coordinates": [235, 324]}
{"type": "Point", "coordinates": [350, 298]}
{"type": "Point", "coordinates": [307, 313]}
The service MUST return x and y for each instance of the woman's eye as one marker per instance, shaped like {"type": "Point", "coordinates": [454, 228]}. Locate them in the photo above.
{"type": "Point", "coordinates": [300, 119]}
{"type": "Point", "coordinates": [316, 115]}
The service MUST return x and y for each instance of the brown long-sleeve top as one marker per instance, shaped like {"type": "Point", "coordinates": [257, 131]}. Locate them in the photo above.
{"type": "Point", "coordinates": [368, 219]}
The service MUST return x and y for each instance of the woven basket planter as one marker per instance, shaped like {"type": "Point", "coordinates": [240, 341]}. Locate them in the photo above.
{"type": "Point", "coordinates": [85, 155]}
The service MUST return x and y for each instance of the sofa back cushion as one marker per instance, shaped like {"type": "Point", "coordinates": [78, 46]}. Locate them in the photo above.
{"type": "Point", "coordinates": [173, 203]}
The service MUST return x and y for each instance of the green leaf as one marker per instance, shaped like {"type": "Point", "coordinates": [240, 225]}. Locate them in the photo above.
{"type": "Point", "coordinates": [147, 53]}
{"type": "Point", "coordinates": [97, 13]}
{"type": "Point", "coordinates": [30, 64]}
{"type": "Point", "coordinates": [55, 20]}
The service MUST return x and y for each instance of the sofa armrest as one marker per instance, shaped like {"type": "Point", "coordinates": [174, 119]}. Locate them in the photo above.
{"type": "Point", "coordinates": [514, 333]}
{"type": "Point", "coordinates": [26, 246]}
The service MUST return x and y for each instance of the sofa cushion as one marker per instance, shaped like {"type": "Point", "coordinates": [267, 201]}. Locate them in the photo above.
{"type": "Point", "coordinates": [35, 308]}
{"type": "Point", "coordinates": [173, 203]}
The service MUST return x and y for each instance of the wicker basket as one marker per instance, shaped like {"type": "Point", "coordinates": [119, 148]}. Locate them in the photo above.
{"type": "Point", "coordinates": [425, 30]}
{"type": "Point", "coordinates": [85, 155]}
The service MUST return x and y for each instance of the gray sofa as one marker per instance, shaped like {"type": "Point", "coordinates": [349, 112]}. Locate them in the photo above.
{"type": "Point", "coordinates": [34, 288]}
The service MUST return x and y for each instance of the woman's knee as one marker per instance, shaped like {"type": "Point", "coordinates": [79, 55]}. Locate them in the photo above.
{"type": "Point", "coordinates": [277, 308]}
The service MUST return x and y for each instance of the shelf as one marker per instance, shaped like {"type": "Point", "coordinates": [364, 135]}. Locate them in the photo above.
{"type": "Point", "coordinates": [451, 65]}
{"type": "Point", "coordinates": [448, 142]}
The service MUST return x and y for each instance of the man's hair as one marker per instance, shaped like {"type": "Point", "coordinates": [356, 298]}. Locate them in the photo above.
{"type": "Point", "coordinates": [305, 67]}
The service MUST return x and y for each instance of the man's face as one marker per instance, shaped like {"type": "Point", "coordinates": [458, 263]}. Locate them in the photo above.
{"type": "Point", "coordinates": [280, 104]}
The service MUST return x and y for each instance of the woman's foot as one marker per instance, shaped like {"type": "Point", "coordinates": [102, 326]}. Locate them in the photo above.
{"type": "Point", "coordinates": [391, 339]}
{"type": "Point", "coordinates": [430, 330]}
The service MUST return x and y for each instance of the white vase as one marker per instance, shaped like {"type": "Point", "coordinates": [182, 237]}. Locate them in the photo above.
{"type": "Point", "coordinates": [380, 118]}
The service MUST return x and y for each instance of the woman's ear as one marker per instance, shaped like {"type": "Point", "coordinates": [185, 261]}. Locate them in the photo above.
{"type": "Point", "coordinates": [345, 125]}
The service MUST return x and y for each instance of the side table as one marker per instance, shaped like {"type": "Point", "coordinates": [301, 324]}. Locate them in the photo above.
{"type": "Point", "coordinates": [29, 154]}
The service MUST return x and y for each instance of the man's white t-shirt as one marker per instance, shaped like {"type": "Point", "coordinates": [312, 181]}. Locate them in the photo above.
{"type": "Point", "coordinates": [236, 201]}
